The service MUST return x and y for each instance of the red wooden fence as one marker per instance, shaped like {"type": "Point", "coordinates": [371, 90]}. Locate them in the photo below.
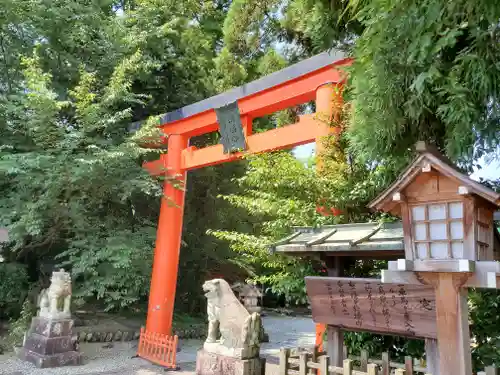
{"type": "Point", "coordinates": [158, 348]}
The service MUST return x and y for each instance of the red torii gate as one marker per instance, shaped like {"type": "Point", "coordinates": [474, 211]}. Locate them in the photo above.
{"type": "Point", "coordinates": [318, 78]}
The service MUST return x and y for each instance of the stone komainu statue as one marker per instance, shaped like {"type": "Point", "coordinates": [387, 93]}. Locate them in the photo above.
{"type": "Point", "coordinates": [56, 296]}
{"type": "Point", "coordinates": [230, 325]}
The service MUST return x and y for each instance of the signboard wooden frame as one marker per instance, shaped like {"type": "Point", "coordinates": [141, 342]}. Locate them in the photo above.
{"type": "Point", "coordinates": [372, 306]}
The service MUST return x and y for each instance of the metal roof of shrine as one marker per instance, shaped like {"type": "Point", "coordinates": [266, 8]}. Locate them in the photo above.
{"type": "Point", "coordinates": [361, 238]}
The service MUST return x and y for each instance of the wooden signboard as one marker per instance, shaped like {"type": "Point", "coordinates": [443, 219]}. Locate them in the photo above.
{"type": "Point", "coordinates": [230, 127]}
{"type": "Point", "coordinates": [368, 305]}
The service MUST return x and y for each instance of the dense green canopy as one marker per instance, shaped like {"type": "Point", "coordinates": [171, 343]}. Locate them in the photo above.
{"type": "Point", "coordinates": [423, 70]}
{"type": "Point", "coordinates": [75, 74]}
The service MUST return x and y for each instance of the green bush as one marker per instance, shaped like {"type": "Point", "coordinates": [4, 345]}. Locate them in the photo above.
{"type": "Point", "coordinates": [13, 289]}
{"type": "Point", "coordinates": [19, 327]}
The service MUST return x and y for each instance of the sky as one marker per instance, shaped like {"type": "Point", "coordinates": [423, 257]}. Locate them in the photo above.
{"type": "Point", "coordinates": [488, 171]}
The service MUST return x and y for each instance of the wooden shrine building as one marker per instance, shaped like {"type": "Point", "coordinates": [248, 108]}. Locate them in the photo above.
{"type": "Point", "coordinates": [448, 225]}
{"type": "Point", "coordinates": [445, 214]}
{"type": "Point", "coordinates": [446, 241]}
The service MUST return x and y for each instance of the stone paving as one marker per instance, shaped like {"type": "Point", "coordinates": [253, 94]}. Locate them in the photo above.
{"type": "Point", "coordinates": [283, 332]}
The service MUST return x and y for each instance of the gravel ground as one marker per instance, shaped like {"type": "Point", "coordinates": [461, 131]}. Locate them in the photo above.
{"type": "Point", "coordinates": [98, 360]}
{"type": "Point", "coordinates": [287, 332]}
{"type": "Point", "coordinates": [283, 332]}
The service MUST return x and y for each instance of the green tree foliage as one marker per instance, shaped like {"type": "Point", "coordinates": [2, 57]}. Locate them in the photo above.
{"type": "Point", "coordinates": [278, 191]}
{"type": "Point", "coordinates": [441, 85]}
{"type": "Point", "coordinates": [484, 328]}
{"type": "Point", "coordinates": [424, 70]}
{"type": "Point", "coordinates": [13, 288]}
{"type": "Point", "coordinates": [270, 196]}
{"type": "Point", "coordinates": [74, 77]}
{"type": "Point", "coordinates": [307, 26]}
{"type": "Point", "coordinates": [68, 171]}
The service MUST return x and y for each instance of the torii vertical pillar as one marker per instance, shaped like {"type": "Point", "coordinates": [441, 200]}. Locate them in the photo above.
{"type": "Point", "coordinates": [329, 104]}
{"type": "Point", "coordinates": [288, 88]}
{"type": "Point", "coordinates": [168, 240]}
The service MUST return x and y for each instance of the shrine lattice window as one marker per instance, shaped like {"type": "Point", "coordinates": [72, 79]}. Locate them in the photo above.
{"type": "Point", "coordinates": [484, 233]}
{"type": "Point", "coordinates": [438, 230]}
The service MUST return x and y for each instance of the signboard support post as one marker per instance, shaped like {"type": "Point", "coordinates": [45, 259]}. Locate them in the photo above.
{"type": "Point", "coordinates": [432, 356]}
{"type": "Point", "coordinates": [452, 322]}
{"type": "Point", "coordinates": [335, 345]}
{"type": "Point", "coordinates": [335, 337]}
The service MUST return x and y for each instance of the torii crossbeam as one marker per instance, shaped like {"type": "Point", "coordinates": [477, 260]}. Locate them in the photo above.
{"type": "Point", "coordinates": [318, 78]}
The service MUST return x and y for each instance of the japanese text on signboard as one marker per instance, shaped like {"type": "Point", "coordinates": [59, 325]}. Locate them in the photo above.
{"type": "Point", "coordinates": [230, 128]}
{"type": "Point", "coordinates": [369, 305]}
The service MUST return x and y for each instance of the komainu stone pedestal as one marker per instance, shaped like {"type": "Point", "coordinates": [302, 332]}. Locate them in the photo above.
{"type": "Point", "coordinates": [216, 364]}
{"type": "Point", "coordinates": [48, 343]}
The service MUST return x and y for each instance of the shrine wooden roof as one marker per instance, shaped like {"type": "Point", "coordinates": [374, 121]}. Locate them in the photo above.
{"type": "Point", "coordinates": [428, 154]}
{"type": "Point", "coordinates": [362, 239]}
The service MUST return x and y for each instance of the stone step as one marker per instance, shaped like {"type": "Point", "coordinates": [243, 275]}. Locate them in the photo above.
{"type": "Point", "coordinates": [51, 327]}
{"type": "Point", "coordinates": [47, 345]}
{"type": "Point", "coordinates": [70, 358]}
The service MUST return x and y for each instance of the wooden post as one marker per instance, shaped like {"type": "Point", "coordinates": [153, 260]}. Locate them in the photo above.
{"type": "Point", "coordinates": [314, 357]}
{"type": "Point", "coordinates": [347, 367]}
{"type": "Point", "coordinates": [284, 356]}
{"type": "Point", "coordinates": [324, 363]}
{"type": "Point", "coordinates": [335, 337]}
{"type": "Point", "coordinates": [303, 363]}
{"type": "Point", "coordinates": [372, 369]}
{"type": "Point", "coordinates": [452, 324]}
{"type": "Point", "coordinates": [407, 228]}
{"type": "Point", "coordinates": [335, 345]}
{"type": "Point", "coordinates": [386, 365]}
{"type": "Point", "coordinates": [408, 365]}
{"type": "Point", "coordinates": [363, 360]}
{"type": "Point", "coordinates": [432, 356]}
